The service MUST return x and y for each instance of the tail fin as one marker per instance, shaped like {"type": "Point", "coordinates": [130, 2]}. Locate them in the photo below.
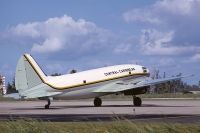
{"type": "Point", "coordinates": [28, 73]}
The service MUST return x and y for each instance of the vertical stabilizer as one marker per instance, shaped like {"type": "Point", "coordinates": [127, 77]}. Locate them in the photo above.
{"type": "Point", "coordinates": [28, 73]}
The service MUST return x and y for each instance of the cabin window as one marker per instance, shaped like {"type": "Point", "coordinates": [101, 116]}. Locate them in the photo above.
{"type": "Point", "coordinates": [84, 81]}
{"type": "Point", "coordinates": [129, 72]}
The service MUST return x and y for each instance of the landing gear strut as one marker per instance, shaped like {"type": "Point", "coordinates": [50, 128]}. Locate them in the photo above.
{"type": "Point", "coordinates": [137, 101]}
{"type": "Point", "coordinates": [48, 104]}
{"type": "Point", "coordinates": [97, 102]}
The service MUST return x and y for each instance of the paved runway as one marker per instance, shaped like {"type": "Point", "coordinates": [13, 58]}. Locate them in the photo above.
{"type": "Point", "coordinates": [152, 110]}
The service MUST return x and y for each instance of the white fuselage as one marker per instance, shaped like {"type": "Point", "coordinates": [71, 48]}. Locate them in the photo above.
{"type": "Point", "coordinates": [81, 85]}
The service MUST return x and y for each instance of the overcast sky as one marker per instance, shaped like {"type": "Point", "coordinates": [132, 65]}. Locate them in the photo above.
{"type": "Point", "coordinates": [84, 34]}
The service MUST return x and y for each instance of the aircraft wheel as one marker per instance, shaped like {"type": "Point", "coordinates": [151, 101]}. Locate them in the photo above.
{"type": "Point", "coordinates": [137, 101]}
{"type": "Point", "coordinates": [97, 102]}
{"type": "Point", "coordinates": [48, 104]}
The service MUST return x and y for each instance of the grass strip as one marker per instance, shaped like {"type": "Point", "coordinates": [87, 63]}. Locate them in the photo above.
{"type": "Point", "coordinates": [117, 126]}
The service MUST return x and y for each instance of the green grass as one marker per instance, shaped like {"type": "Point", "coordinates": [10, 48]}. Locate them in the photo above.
{"type": "Point", "coordinates": [33, 126]}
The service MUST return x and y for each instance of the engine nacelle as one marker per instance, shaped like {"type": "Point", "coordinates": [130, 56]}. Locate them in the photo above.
{"type": "Point", "coordinates": [136, 91]}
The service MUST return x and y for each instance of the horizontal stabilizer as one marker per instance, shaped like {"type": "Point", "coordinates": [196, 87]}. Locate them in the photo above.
{"type": "Point", "coordinates": [13, 95]}
{"type": "Point", "coordinates": [44, 94]}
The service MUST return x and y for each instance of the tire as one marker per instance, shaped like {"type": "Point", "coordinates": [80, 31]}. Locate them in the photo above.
{"type": "Point", "coordinates": [46, 106]}
{"type": "Point", "coordinates": [97, 102]}
{"type": "Point", "coordinates": [137, 101]}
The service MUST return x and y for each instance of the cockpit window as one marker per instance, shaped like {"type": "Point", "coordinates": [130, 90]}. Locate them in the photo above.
{"type": "Point", "coordinates": [144, 69]}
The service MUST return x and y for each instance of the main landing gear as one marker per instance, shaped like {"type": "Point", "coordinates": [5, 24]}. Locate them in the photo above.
{"type": "Point", "coordinates": [97, 102]}
{"type": "Point", "coordinates": [137, 101]}
{"type": "Point", "coordinates": [48, 104]}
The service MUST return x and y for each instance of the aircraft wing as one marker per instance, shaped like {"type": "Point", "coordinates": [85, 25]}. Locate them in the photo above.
{"type": "Point", "coordinates": [120, 86]}
{"type": "Point", "coordinates": [12, 95]}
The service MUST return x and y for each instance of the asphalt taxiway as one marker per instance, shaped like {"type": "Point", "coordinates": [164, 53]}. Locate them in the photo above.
{"type": "Point", "coordinates": [185, 111]}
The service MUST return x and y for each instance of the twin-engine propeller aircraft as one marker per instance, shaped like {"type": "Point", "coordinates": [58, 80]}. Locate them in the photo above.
{"type": "Point", "coordinates": [31, 82]}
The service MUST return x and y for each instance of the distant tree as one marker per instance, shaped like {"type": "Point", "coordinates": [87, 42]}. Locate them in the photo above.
{"type": "Point", "coordinates": [199, 84]}
{"type": "Point", "coordinates": [1, 81]}
{"type": "Point", "coordinates": [168, 87]}
{"type": "Point", "coordinates": [155, 74]}
{"type": "Point", "coordinates": [1, 85]}
{"type": "Point", "coordinates": [164, 75]}
{"type": "Point", "coordinates": [11, 88]}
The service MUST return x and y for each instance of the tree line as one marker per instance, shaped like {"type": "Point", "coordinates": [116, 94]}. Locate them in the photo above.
{"type": "Point", "coordinates": [172, 86]}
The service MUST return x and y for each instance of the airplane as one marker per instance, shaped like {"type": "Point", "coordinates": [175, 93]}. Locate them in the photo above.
{"type": "Point", "coordinates": [129, 79]}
